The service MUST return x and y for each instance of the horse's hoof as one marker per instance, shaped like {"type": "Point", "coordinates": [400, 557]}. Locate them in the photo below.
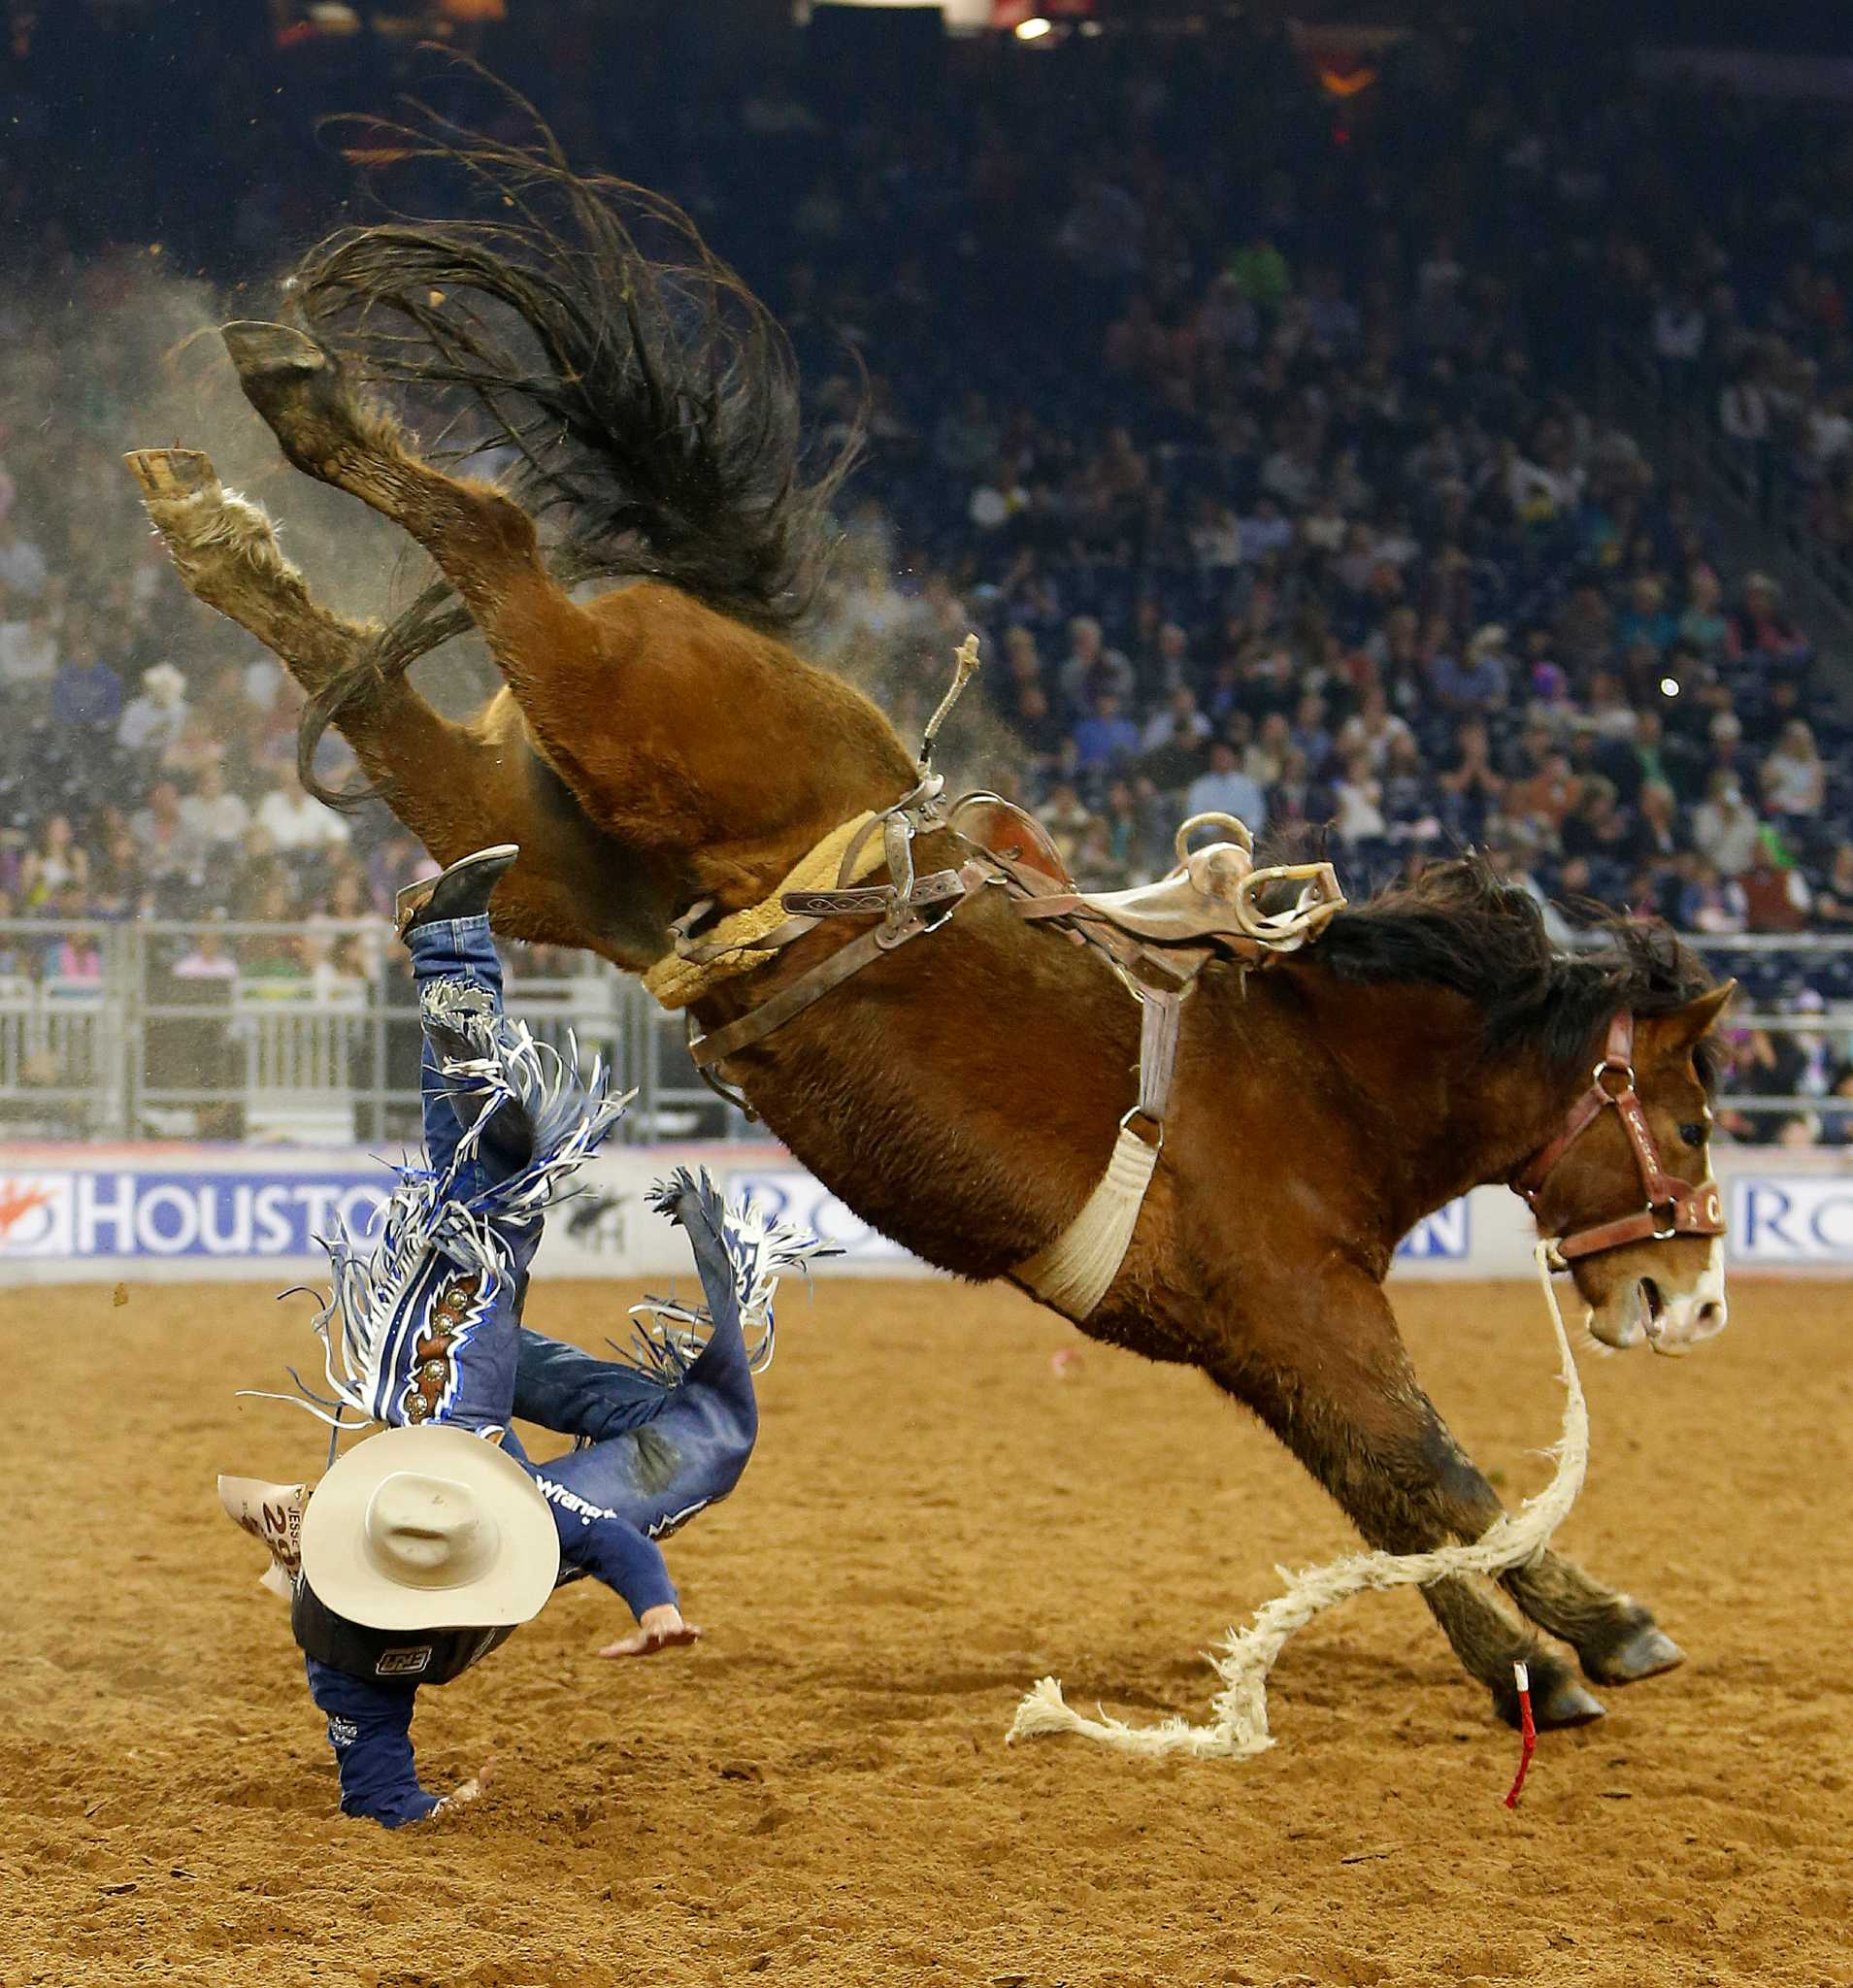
{"type": "Point", "coordinates": [1557, 1698]}
{"type": "Point", "coordinates": [1644, 1652]}
{"type": "Point", "coordinates": [1567, 1703]}
{"type": "Point", "coordinates": [257, 347]}
{"type": "Point", "coordinates": [301, 391]}
{"type": "Point", "coordinates": [168, 476]}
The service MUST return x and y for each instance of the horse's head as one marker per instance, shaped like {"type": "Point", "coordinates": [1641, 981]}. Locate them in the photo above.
{"type": "Point", "coordinates": [1626, 1184]}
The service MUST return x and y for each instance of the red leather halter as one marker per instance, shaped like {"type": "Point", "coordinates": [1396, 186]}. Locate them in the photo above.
{"type": "Point", "coordinates": [1674, 1207]}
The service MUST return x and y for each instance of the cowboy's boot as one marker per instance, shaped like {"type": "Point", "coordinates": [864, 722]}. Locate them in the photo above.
{"type": "Point", "coordinates": [462, 891]}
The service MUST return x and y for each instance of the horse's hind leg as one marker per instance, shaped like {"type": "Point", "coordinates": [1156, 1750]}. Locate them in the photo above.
{"type": "Point", "coordinates": [1615, 1639]}
{"type": "Point", "coordinates": [453, 787]}
{"type": "Point", "coordinates": [633, 774]}
{"type": "Point", "coordinates": [482, 541]}
{"type": "Point", "coordinates": [1355, 1417]}
{"type": "Point", "coordinates": [225, 550]}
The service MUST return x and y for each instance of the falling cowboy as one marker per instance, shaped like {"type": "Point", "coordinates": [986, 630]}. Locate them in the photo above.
{"type": "Point", "coordinates": [424, 1546]}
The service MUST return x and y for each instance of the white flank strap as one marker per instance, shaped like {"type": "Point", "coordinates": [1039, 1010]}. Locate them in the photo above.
{"type": "Point", "coordinates": [1239, 1725]}
{"type": "Point", "coordinates": [1075, 1273]}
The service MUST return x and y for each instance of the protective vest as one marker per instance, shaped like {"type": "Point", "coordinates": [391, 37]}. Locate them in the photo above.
{"type": "Point", "coordinates": [387, 1656]}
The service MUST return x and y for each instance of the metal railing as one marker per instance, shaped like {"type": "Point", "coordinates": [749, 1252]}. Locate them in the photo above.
{"type": "Point", "coordinates": [244, 1031]}
{"type": "Point", "coordinates": [249, 1031]}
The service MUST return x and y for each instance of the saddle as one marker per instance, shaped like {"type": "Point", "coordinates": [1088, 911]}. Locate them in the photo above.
{"type": "Point", "coordinates": [1216, 905]}
{"type": "Point", "coordinates": [1212, 902]}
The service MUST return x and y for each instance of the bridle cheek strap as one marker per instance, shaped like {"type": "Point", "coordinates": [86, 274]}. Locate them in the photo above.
{"type": "Point", "coordinates": [1673, 1206]}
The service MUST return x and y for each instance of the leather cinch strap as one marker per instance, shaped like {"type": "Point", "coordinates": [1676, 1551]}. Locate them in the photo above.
{"type": "Point", "coordinates": [1157, 1050]}
{"type": "Point", "coordinates": [1673, 1206]}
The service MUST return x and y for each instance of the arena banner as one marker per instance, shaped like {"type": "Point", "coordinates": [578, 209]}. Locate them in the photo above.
{"type": "Point", "coordinates": [1791, 1220]}
{"type": "Point", "coordinates": [219, 1214]}
{"type": "Point", "coordinates": [178, 1213]}
{"type": "Point", "coordinates": [120, 1214]}
{"type": "Point", "coordinates": [189, 1211]}
{"type": "Point", "coordinates": [1445, 1245]}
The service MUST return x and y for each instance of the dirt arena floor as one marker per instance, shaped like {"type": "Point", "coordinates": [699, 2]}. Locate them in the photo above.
{"type": "Point", "coordinates": [821, 1794]}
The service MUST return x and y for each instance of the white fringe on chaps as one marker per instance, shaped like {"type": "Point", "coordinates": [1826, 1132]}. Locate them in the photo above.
{"type": "Point", "coordinates": [1239, 1726]}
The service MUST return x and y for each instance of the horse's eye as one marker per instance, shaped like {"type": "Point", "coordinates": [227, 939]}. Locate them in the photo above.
{"type": "Point", "coordinates": [1693, 1133]}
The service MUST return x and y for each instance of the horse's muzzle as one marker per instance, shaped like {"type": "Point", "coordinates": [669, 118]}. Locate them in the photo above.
{"type": "Point", "coordinates": [1679, 1325]}
{"type": "Point", "coordinates": [1669, 1325]}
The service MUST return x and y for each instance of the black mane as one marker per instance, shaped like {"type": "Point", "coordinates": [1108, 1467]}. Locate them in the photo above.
{"type": "Point", "coordinates": [1459, 927]}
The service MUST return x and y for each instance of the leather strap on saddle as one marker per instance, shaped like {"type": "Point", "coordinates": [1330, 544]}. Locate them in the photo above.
{"type": "Point", "coordinates": [838, 966]}
{"type": "Point", "coordinates": [880, 898]}
{"type": "Point", "coordinates": [752, 937]}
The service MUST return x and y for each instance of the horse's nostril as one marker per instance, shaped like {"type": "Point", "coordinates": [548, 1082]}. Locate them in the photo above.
{"type": "Point", "coordinates": [1711, 1318]}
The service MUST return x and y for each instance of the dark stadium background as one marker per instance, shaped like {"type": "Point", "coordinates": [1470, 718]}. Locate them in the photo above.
{"type": "Point", "coordinates": [1433, 421]}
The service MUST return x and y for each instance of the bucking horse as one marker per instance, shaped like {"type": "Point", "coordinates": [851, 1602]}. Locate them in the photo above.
{"type": "Point", "coordinates": [1196, 1121]}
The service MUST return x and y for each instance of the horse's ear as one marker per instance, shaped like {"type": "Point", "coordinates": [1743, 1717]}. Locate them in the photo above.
{"type": "Point", "coordinates": [1685, 1026]}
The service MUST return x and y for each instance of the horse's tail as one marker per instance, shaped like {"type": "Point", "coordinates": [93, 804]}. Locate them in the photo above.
{"type": "Point", "coordinates": [645, 398]}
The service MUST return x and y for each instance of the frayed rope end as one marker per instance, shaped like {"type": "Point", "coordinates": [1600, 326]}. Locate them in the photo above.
{"type": "Point", "coordinates": [1044, 1711]}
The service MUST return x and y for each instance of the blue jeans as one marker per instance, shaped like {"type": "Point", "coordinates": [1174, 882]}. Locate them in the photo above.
{"type": "Point", "coordinates": [459, 951]}
{"type": "Point", "coordinates": [558, 1386]}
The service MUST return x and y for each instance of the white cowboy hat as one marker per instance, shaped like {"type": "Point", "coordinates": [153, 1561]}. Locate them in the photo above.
{"type": "Point", "coordinates": [429, 1527]}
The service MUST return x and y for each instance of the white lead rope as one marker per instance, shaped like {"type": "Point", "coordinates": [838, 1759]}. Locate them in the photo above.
{"type": "Point", "coordinates": [1238, 1728]}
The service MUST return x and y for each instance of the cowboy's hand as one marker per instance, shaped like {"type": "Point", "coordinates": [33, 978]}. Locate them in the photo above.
{"type": "Point", "coordinates": [470, 1790]}
{"type": "Point", "coordinates": [657, 1628]}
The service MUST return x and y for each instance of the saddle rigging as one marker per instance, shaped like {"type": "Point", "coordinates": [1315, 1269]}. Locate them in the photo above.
{"type": "Point", "coordinates": [1157, 938]}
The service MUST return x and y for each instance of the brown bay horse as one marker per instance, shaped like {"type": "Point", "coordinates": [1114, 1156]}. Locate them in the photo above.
{"type": "Point", "coordinates": [662, 743]}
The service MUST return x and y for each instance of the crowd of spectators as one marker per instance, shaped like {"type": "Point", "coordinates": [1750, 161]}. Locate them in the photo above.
{"type": "Point", "coordinates": [1258, 462]}
{"type": "Point", "coordinates": [148, 770]}
{"type": "Point", "coordinates": [1744, 315]}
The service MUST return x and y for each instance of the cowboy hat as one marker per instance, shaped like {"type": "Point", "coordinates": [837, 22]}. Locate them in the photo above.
{"type": "Point", "coordinates": [430, 1527]}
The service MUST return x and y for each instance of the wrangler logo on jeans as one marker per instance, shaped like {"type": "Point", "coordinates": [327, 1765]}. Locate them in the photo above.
{"type": "Point", "coordinates": [402, 1663]}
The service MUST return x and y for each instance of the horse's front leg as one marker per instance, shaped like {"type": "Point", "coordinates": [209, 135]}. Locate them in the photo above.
{"type": "Point", "coordinates": [457, 787]}
{"type": "Point", "coordinates": [1324, 1365]}
{"type": "Point", "coordinates": [1615, 1639]}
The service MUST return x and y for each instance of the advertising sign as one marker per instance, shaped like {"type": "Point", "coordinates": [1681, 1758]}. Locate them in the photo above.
{"type": "Point", "coordinates": [1791, 1220]}
{"type": "Point", "coordinates": [194, 1211]}
{"type": "Point", "coordinates": [109, 1215]}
